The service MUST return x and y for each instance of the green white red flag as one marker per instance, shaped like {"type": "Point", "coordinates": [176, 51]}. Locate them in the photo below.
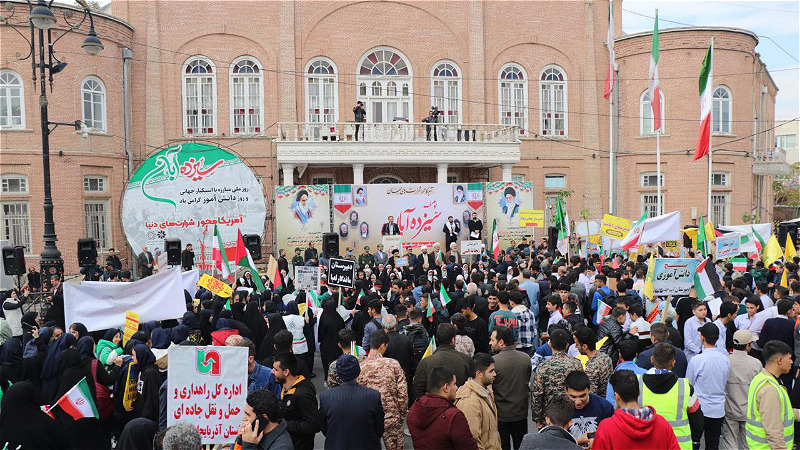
{"type": "Point", "coordinates": [611, 57]}
{"type": "Point", "coordinates": [739, 264]}
{"type": "Point", "coordinates": [219, 256]}
{"type": "Point", "coordinates": [495, 241]}
{"type": "Point", "coordinates": [653, 89]}
{"type": "Point", "coordinates": [243, 259]}
{"type": "Point", "coordinates": [443, 297]}
{"type": "Point", "coordinates": [706, 86]}
{"type": "Point", "coordinates": [632, 238]}
{"type": "Point", "coordinates": [78, 403]}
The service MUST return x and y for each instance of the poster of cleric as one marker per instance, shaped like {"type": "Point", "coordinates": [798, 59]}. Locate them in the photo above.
{"type": "Point", "coordinates": [504, 200]}
{"type": "Point", "coordinates": [184, 191]}
{"type": "Point", "coordinates": [302, 214]}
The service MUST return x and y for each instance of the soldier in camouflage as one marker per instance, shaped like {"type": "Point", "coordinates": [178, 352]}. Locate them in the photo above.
{"type": "Point", "coordinates": [550, 375]}
{"type": "Point", "coordinates": [387, 377]}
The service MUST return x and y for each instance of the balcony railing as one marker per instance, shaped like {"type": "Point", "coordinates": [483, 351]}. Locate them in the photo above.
{"type": "Point", "coordinates": [395, 132]}
{"type": "Point", "coordinates": [770, 161]}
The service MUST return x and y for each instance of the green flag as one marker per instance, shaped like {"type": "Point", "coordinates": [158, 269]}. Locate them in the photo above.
{"type": "Point", "coordinates": [443, 295]}
{"type": "Point", "coordinates": [701, 236]}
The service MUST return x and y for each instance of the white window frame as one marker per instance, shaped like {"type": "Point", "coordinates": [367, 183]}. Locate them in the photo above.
{"type": "Point", "coordinates": [716, 104]}
{"type": "Point", "coordinates": [106, 222]}
{"type": "Point", "coordinates": [320, 80]}
{"type": "Point", "coordinates": [726, 178]}
{"type": "Point", "coordinates": [6, 87]}
{"type": "Point", "coordinates": [247, 96]}
{"type": "Point", "coordinates": [781, 138]}
{"type": "Point", "coordinates": [184, 92]}
{"type": "Point", "coordinates": [3, 235]}
{"type": "Point", "coordinates": [552, 85]}
{"type": "Point", "coordinates": [376, 89]}
{"type": "Point", "coordinates": [644, 106]}
{"type": "Point", "coordinates": [13, 176]}
{"type": "Point", "coordinates": [555, 175]}
{"type": "Point", "coordinates": [101, 178]}
{"type": "Point", "coordinates": [91, 123]}
{"type": "Point", "coordinates": [647, 207]}
{"type": "Point", "coordinates": [646, 175]}
{"type": "Point", "coordinates": [445, 101]}
{"type": "Point", "coordinates": [318, 176]}
{"type": "Point", "coordinates": [726, 205]}
{"type": "Point", "coordinates": [510, 107]}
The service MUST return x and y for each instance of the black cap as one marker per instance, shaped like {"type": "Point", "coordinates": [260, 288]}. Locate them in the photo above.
{"type": "Point", "coordinates": [710, 331]}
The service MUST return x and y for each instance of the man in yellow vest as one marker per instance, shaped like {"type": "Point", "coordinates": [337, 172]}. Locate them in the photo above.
{"type": "Point", "coordinates": [770, 416]}
{"type": "Point", "coordinates": [672, 397]}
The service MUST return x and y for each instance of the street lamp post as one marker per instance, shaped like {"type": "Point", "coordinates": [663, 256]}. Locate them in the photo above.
{"type": "Point", "coordinates": [42, 20]}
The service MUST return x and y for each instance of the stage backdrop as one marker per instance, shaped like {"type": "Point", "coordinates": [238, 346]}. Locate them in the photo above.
{"type": "Point", "coordinates": [420, 211]}
{"type": "Point", "coordinates": [302, 213]}
{"type": "Point", "coordinates": [183, 191]}
{"type": "Point", "coordinates": [504, 199]}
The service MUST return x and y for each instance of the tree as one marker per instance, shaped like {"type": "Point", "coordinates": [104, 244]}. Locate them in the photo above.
{"type": "Point", "coordinates": [786, 188]}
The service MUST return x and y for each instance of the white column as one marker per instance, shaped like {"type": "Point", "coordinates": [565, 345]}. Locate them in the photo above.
{"type": "Point", "coordinates": [288, 174]}
{"type": "Point", "coordinates": [506, 176]}
{"type": "Point", "coordinates": [358, 174]}
{"type": "Point", "coordinates": [441, 173]}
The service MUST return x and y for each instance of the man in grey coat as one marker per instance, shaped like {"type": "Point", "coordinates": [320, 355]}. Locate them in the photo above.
{"type": "Point", "coordinates": [513, 373]}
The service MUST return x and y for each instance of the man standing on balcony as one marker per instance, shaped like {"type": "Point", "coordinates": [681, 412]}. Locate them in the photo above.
{"type": "Point", "coordinates": [390, 228]}
{"type": "Point", "coordinates": [360, 115]}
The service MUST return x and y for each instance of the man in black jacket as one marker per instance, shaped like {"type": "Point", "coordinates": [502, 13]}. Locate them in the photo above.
{"type": "Point", "coordinates": [612, 327]}
{"type": "Point", "coordinates": [298, 401]}
{"type": "Point", "coordinates": [780, 328]}
{"type": "Point", "coordinates": [445, 355]}
{"type": "Point", "coordinates": [360, 115]}
{"type": "Point", "coordinates": [399, 347]}
{"type": "Point", "coordinates": [187, 258]}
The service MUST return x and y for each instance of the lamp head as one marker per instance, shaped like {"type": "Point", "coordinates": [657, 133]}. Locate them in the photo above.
{"type": "Point", "coordinates": [92, 43]}
{"type": "Point", "coordinates": [42, 17]}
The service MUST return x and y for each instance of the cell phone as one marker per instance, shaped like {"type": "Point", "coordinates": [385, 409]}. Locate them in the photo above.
{"type": "Point", "coordinates": [590, 435]}
{"type": "Point", "coordinates": [262, 423]}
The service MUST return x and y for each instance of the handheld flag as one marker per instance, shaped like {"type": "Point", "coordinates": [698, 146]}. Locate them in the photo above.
{"type": "Point", "coordinates": [790, 251]}
{"type": "Point", "coordinates": [445, 299]}
{"type": "Point", "coordinates": [784, 280]}
{"type": "Point", "coordinates": [495, 241]}
{"type": "Point", "coordinates": [219, 256]}
{"type": "Point", "coordinates": [356, 350]}
{"type": "Point", "coordinates": [360, 294]}
{"type": "Point", "coordinates": [632, 238]}
{"type": "Point", "coordinates": [431, 348]}
{"type": "Point", "coordinates": [77, 402]}
{"type": "Point", "coordinates": [243, 259]}
{"type": "Point", "coordinates": [706, 280]}
{"type": "Point", "coordinates": [760, 244]}
{"type": "Point", "coordinates": [648, 281]}
{"type": "Point", "coordinates": [603, 311]}
{"type": "Point", "coordinates": [739, 264]}
{"type": "Point", "coordinates": [706, 86]}
{"type": "Point", "coordinates": [274, 273]}
{"type": "Point", "coordinates": [653, 89]}
{"type": "Point", "coordinates": [561, 223]}
{"type": "Point", "coordinates": [610, 75]}
{"type": "Point", "coordinates": [772, 251]}
{"type": "Point", "coordinates": [431, 310]}
{"type": "Point", "coordinates": [701, 237]}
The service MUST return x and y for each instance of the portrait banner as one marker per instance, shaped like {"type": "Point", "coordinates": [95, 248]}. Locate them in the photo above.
{"type": "Point", "coordinates": [419, 211]}
{"type": "Point", "coordinates": [504, 200]}
{"type": "Point", "coordinates": [183, 191]}
{"type": "Point", "coordinates": [302, 214]}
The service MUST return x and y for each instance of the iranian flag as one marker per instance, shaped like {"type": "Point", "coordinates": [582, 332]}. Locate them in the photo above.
{"type": "Point", "coordinates": [360, 294]}
{"type": "Point", "coordinates": [706, 280]}
{"type": "Point", "coordinates": [356, 350]}
{"type": "Point", "coordinates": [443, 297]}
{"type": "Point", "coordinates": [243, 259]}
{"type": "Point", "coordinates": [701, 237]}
{"type": "Point", "coordinates": [342, 197]}
{"type": "Point", "coordinates": [760, 244]}
{"type": "Point", "coordinates": [495, 241]}
{"type": "Point", "coordinates": [610, 44]}
{"type": "Point", "coordinates": [475, 195]}
{"type": "Point", "coordinates": [739, 264]}
{"type": "Point", "coordinates": [431, 310]}
{"type": "Point", "coordinates": [632, 238]}
{"type": "Point", "coordinates": [219, 256]}
{"type": "Point", "coordinates": [603, 310]}
{"type": "Point", "coordinates": [563, 232]}
{"type": "Point", "coordinates": [706, 86]}
{"type": "Point", "coordinates": [653, 89]}
{"type": "Point", "coordinates": [78, 403]}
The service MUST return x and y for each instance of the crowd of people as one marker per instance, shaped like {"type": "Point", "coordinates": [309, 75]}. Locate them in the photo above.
{"type": "Point", "coordinates": [454, 351]}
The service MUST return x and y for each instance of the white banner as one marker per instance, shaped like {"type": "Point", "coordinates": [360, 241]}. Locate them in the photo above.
{"type": "Point", "coordinates": [188, 279]}
{"type": "Point", "coordinates": [471, 247]}
{"type": "Point", "coordinates": [748, 241]}
{"type": "Point", "coordinates": [728, 245]}
{"type": "Point", "coordinates": [306, 278]}
{"type": "Point", "coordinates": [207, 387]}
{"type": "Point", "coordinates": [666, 227]}
{"type": "Point", "coordinates": [100, 306]}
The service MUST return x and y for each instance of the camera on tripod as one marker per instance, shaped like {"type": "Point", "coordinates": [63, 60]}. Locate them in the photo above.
{"type": "Point", "coordinates": [435, 111]}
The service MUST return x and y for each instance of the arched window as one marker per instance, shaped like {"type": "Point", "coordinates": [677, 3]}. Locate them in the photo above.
{"type": "Point", "coordinates": [721, 112]}
{"type": "Point", "coordinates": [513, 91]}
{"type": "Point", "coordinates": [385, 179]}
{"type": "Point", "coordinates": [12, 103]}
{"type": "Point", "coordinates": [246, 96]}
{"type": "Point", "coordinates": [553, 94]}
{"type": "Point", "coordinates": [647, 121]}
{"type": "Point", "coordinates": [199, 96]}
{"type": "Point", "coordinates": [93, 94]}
{"type": "Point", "coordinates": [321, 91]}
{"type": "Point", "coordinates": [389, 77]}
{"type": "Point", "coordinates": [446, 90]}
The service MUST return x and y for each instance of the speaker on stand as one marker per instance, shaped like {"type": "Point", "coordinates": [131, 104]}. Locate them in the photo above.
{"type": "Point", "coordinates": [172, 247]}
{"type": "Point", "coordinates": [253, 244]}
{"type": "Point", "coordinates": [87, 252]}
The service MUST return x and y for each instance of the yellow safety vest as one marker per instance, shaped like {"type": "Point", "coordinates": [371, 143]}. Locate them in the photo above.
{"type": "Point", "coordinates": [672, 406]}
{"type": "Point", "coordinates": [754, 429]}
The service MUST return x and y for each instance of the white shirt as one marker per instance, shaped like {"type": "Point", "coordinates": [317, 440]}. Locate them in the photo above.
{"type": "Point", "coordinates": [691, 337]}
{"type": "Point", "coordinates": [760, 318]}
{"type": "Point", "coordinates": [642, 328]}
{"type": "Point", "coordinates": [743, 322]}
{"type": "Point", "coordinates": [766, 300]}
{"type": "Point", "coordinates": [555, 317]}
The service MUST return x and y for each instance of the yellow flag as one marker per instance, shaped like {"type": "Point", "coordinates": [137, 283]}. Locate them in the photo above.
{"type": "Point", "coordinates": [431, 348]}
{"type": "Point", "coordinates": [784, 280]}
{"type": "Point", "coordinates": [791, 251]}
{"type": "Point", "coordinates": [648, 280]}
{"type": "Point", "coordinates": [772, 251]}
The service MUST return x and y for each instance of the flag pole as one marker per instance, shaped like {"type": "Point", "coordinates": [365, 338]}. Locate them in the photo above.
{"type": "Point", "coordinates": [658, 145]}
{"type": "Point", "coordinates": [711, 128]}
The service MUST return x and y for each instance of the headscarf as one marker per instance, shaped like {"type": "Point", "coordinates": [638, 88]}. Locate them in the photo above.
{"type": "Point", "coordinates": [204, 324]}
{"type": "Point", "coordinates": [255, 322]}
{"type": "Point", "coordinates": [190, 320]}
{"type": "Point", "coordinates": [69, 358]}
{"type": "Point", "coordinates": [179, 334]}
{"type": "Point", "coordinates": [88, 434]}
{"type": "Point", "coordinates": [11, 352]}
{"type": "Point", "coordinates": [138, 434]}
{"type": "Point", "coordinates": [34, 346]}
{"type": "Point", "coordinates": [150, 326]}
{"type": "Point", "coordinates": [225, 314]}
{"type": "Point", "coordinates": [29, 319]}
{"type": "Point", "coordinates": [110, 333]}
{"type": "Point", "coordinates": [51, 364]}
{"type": "Point", "coordinates": [85, 347]}
{"type": "Point", "coordinates": [144, 356]}
{"type": "Point", "coordinates": [160, 338]}
{"type": "Point", "coordinates": [5, 331]}
{"type": "Point", "coordinates": [291, 308]}
{"type": "Point", "coordinates": [80, 328]}
{"type": "Point", "coordinates": [222, 323]}
{"type": "Point", "coordinates": [25, 424]}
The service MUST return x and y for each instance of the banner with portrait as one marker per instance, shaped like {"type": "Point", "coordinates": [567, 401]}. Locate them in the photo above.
{"type": "Point", "coordinates": [419, 210]}
{"type": "Point", "coordinates": [302, 214]}
{"type": "Point", "coordinates": [504, 200]}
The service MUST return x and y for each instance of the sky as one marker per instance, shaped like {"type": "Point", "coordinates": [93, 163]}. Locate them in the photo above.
{"type": "Point", "coordinates": [777, 20]}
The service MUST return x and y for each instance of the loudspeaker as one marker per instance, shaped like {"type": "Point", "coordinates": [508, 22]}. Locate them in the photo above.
{"type": "Point", "coordinates": [172, 247]}
{"type": "Point", "coordinates": [785, 229]}
{"type": "Point", "coordinates": [552, 238]}
{"type": "Point", "coordinates": [253, 244]}
{"type": "Point", "coordinates": [14, 260]}
{"type": "Point", "coordinates": [87, 252]}
{"type": "Point", "coordinates": [330, 244]}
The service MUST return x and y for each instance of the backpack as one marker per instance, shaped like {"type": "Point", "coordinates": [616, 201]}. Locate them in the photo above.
{"type": "Point", "coordinates": [419, 341]}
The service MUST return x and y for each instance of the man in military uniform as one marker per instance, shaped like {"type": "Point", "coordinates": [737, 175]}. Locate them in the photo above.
{"type": "Point", "coordinates": [297, 259]}
{"type": "Point", "coordinates": [551, 374]}
{"type": "Point", "coordinates": [366, 259]}
{"type": "Point", "coordinates": [386, 376]}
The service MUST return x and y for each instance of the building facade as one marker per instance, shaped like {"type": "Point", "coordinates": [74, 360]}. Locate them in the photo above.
{"type": "Point", "coordinates": [276, 82]}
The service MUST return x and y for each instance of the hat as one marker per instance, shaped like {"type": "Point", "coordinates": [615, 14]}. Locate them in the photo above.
{"type": "Point", "coordinates": [743, 337]}
{"type": "Point", "coordinates": [366, 247]}
{"type": "Point", "coordinates": [710, 331]}
{"type": "Point", "coordinates": [298, 249]}
{"type": "Point", "coordinates": [347, 368]}
{"type": "Point", "coordinates": [424, 247]}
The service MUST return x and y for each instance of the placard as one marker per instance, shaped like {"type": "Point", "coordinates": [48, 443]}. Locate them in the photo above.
{"type": "Point", "coordinates": [531, 218]}
{"type": "Point", "coordinates": [306, 278]}
{"type": "Point", "coordinates": [615, 227]}
{"type": "Point", "coordinates": [207, 387]}
{"type": "Point", "coordinates": [217, 287]}
{"type": "Point", "coordinates": [131, 326]}
{"type": "Point", "coordinates": [671, 245]}
{"type": "Point", "coordinates": [401, 262]}
{"type": "Point", "coordinates": [342, 273]}
{"type": "Point", "coordinates": [728, 245]}
{"type": "Point", "coordinates": [471, 247]}
{"type": "Point", "coordinates": [673, 276]}
{"type": "Point", "coordinates": [130, 393]}
{"type": "Point", "coordinates": [392, 242]}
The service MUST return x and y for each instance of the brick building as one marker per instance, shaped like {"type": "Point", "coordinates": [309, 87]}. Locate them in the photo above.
{"type": "Point", "coordinates": [276, 82]}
